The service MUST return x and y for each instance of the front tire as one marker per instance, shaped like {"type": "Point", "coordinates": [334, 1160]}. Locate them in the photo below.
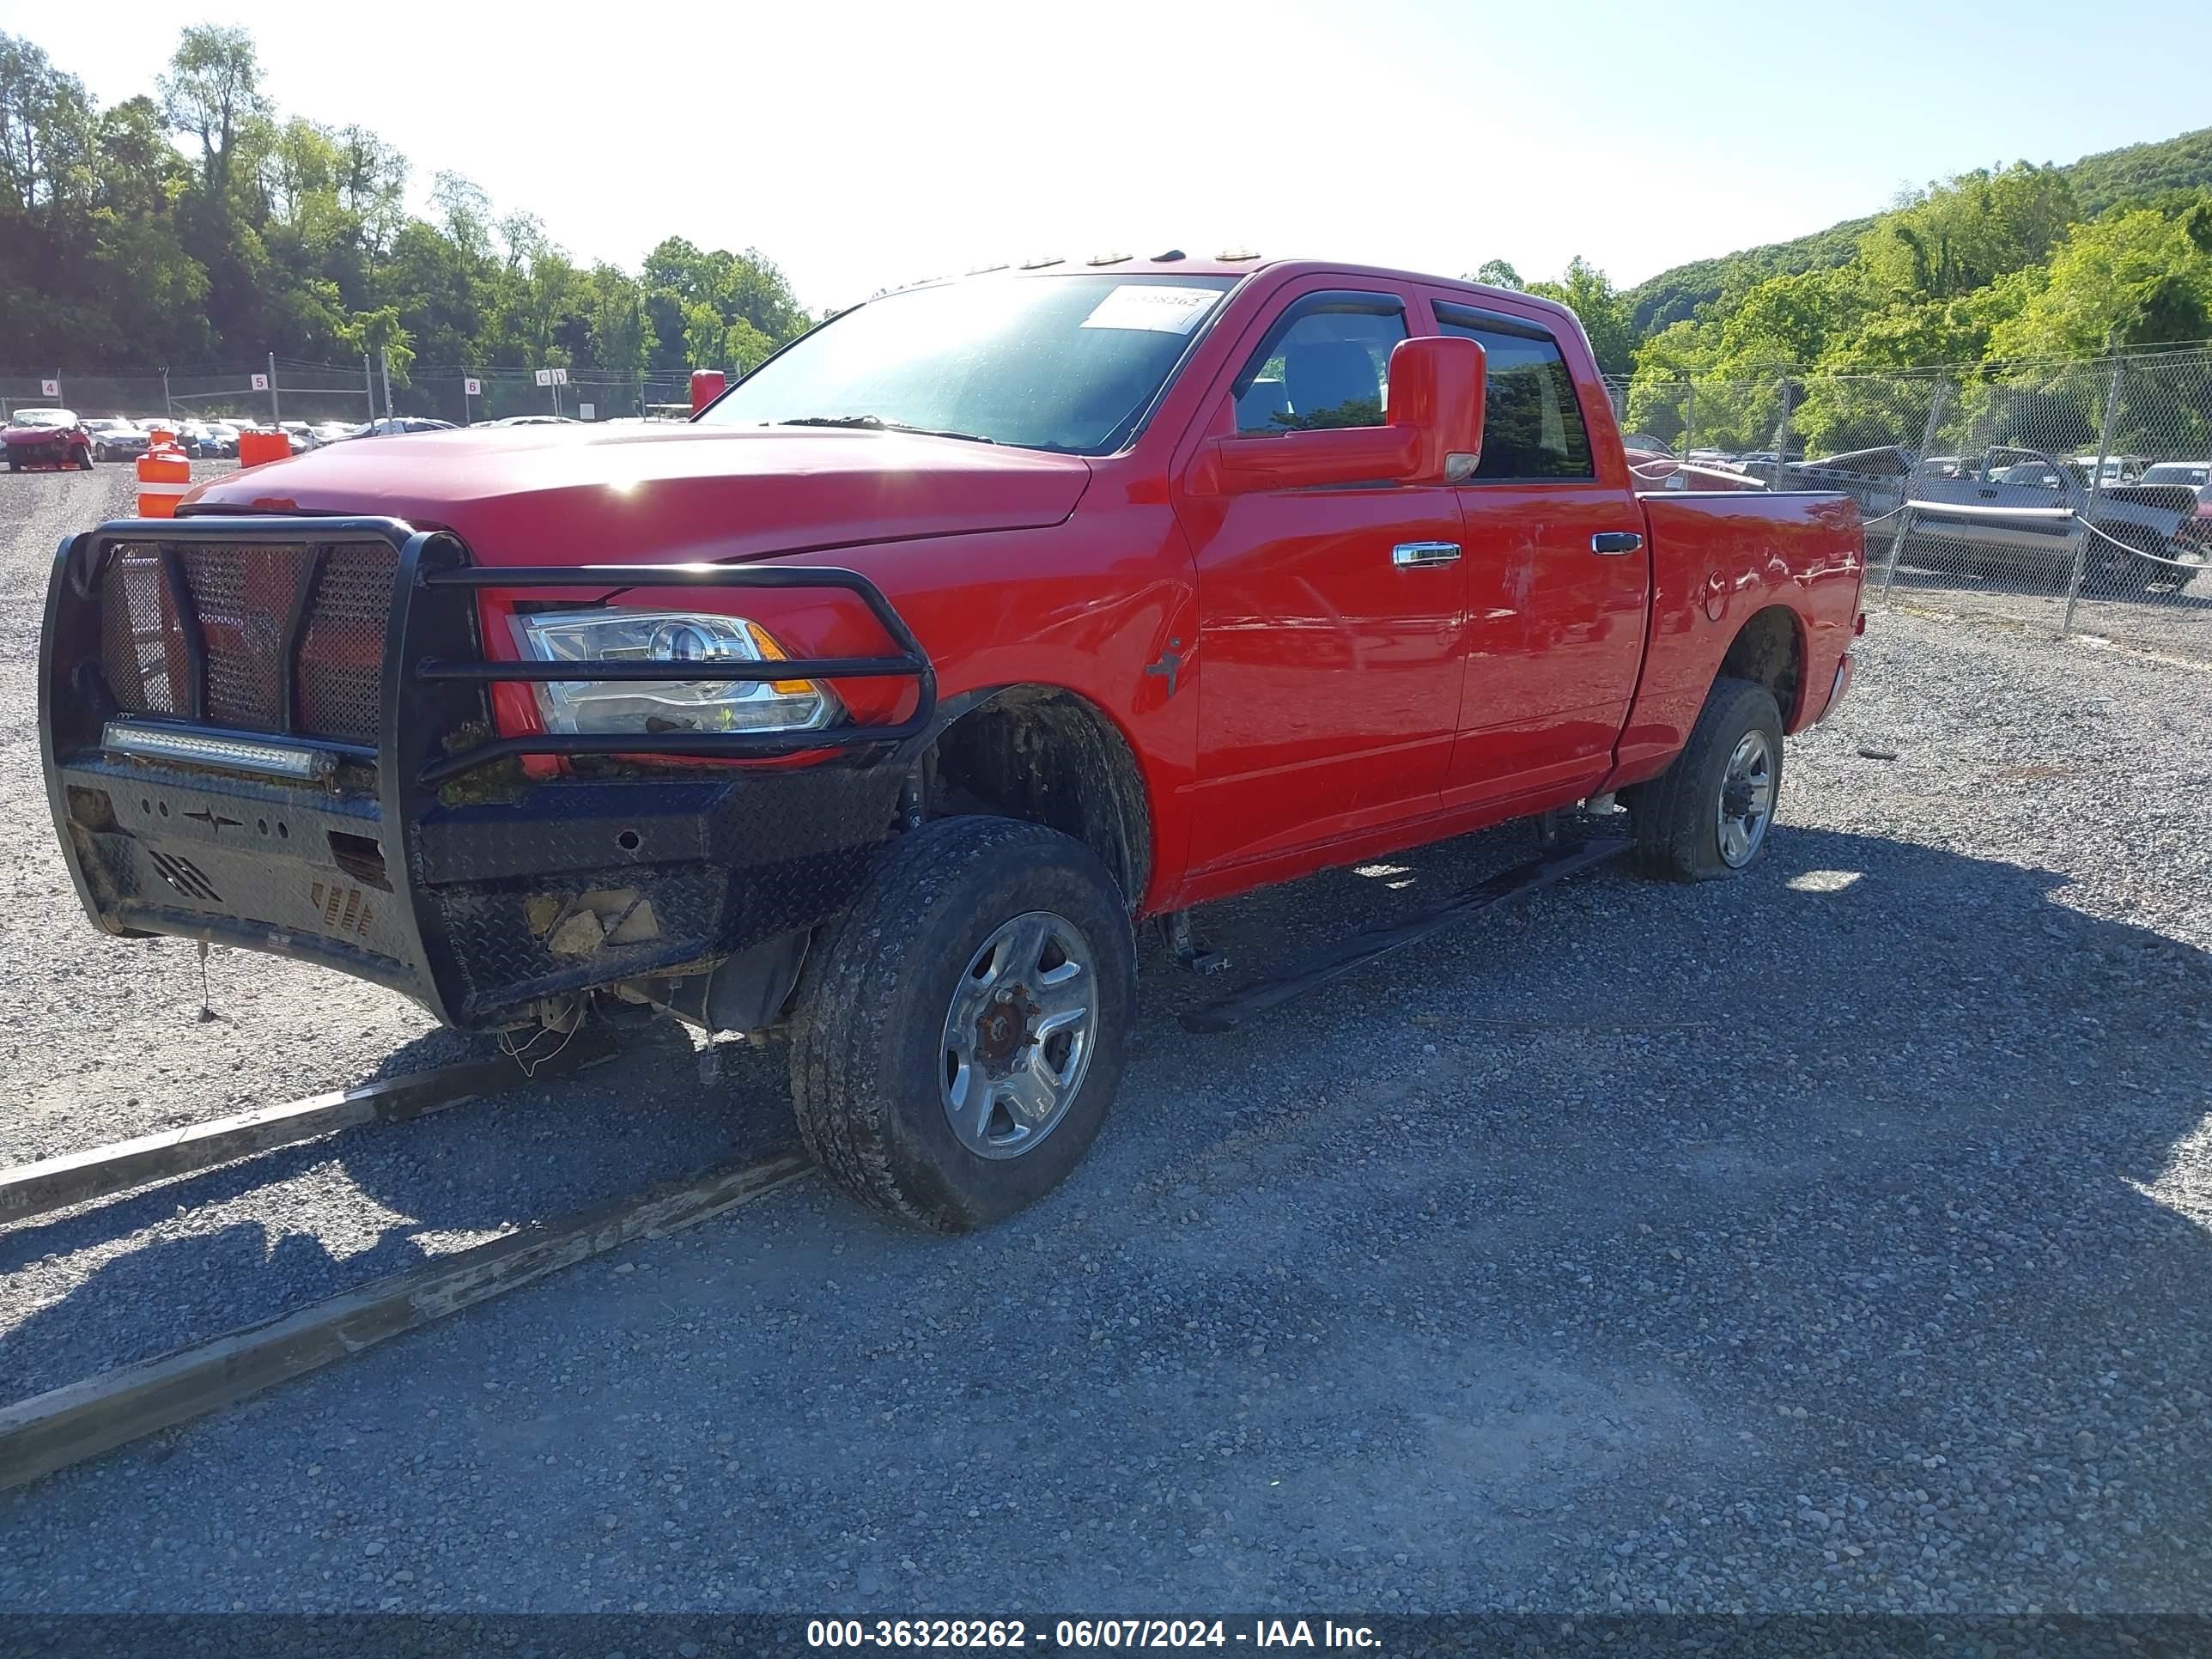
{"type": "Point", "coordinates": [961, 1026]}
{"type": "Point", "coordinates": [1706, 817]}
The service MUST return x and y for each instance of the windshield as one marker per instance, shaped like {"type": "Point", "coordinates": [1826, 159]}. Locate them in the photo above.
{"type": "Point", "coordinates": [44, 417]}
{"type": "Point", "coordinates": [1066, 363]}
{"type": "Point", "coordinates": [2028, 472]}
{"type": "Point", "coordinates": [2177, 472]}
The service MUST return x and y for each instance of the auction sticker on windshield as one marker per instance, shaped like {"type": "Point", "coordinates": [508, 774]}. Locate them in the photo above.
{"type": "Point", "coordinates": [1159, 307]}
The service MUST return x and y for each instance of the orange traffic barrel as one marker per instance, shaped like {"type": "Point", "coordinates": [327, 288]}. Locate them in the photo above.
{"type": "Point", "coordinates": [256, 447]}
{"type": "Point", "coordinates": [164, 472]}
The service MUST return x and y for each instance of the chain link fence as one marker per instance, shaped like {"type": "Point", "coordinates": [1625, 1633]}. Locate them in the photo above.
{"type": "Point", "coordinates": [2072, 496]}
{"type": "Point", "coordinates": [284, 390]}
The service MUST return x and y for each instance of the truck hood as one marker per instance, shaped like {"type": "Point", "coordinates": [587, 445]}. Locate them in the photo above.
{"type": "Point", "coordinates": [556, 495]}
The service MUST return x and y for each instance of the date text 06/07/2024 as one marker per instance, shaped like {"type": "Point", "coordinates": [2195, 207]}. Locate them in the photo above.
{"type": "Point", "coordinates": [1085, 1633]}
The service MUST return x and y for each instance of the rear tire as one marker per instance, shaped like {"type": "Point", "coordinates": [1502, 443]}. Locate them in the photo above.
{"type": "Point", "coordinates": [938, 1069]}
{"type": "Point", "coordinates": [1708, 816]}
{"type": "Point", "coordinates": [2121, 575]}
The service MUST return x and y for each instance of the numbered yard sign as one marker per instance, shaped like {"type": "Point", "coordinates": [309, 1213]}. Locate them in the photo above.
{"type": "Point", "coordinates": [545, 377]}
{"type": "Point", "coordinates": [472, 388]}
{"type": "Point", "coordinates": [261, 383]}
{"type": "Point", "coordinates": [50, 388]}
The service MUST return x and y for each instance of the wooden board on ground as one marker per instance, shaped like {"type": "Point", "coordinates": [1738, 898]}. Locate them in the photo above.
{"type": "Point", "coordinates": [78, 1420]}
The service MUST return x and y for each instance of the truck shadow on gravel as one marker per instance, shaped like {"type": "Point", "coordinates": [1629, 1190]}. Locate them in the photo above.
{"type": "Point", "coordinates": [1593, 1236]}
{"type": "Point", "coordinates": [1878, 1165]}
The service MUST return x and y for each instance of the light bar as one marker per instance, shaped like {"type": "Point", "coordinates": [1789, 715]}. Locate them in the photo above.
{"type": "Point", "coordinates": [275, 760]}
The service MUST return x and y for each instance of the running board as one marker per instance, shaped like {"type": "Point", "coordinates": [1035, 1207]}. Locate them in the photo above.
{"type": "Point", "coordinates": [1257, 998]}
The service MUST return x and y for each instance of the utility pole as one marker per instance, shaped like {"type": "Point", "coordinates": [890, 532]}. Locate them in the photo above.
{"type": "Point", "coordinates": [272, 389]}
{"type": "Point", "coordinates": [387, 355]}
{"type": "Point", "coordinates": [369, 385]}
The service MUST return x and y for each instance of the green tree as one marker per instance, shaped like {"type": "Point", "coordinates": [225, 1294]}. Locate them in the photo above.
{"type": "Point", "coordinates": [1965, 233]}
{"type": "Point", "coordinates": [2133, 278]}
{"type": "Point", "coordinates": [213, 90]}
{"type": "Point", "coordinates": [1589, 293]}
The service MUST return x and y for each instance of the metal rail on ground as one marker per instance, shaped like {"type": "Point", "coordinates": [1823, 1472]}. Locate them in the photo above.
{"type": "Point", "coordinates": [56, 1184]}
{"type": "Point", "coordinates": [79, 1421]}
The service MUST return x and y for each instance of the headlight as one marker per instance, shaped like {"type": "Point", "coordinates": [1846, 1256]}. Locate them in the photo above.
{"type": "Point", "coordinates": [674, 704]}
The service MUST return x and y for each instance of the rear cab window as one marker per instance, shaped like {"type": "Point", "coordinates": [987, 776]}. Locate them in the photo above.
{"type": "Point", "coordinates": [1533, 424]}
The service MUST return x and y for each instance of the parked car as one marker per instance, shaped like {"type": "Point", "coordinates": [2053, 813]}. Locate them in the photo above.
{"type": "Point", "coordinates": [332, 431]}
{"type": "Point", "coordinates": [115, 439]}
{"type": "Point", "coordinates": [395, 425]}
{"type": "Point", "coordinates": [1660, 470]}
{"type": "Point", "coordinates": [2191, 475]}
{"type": "Point", "coordinates": [533, 419]}
{"type": "Point", "coordinates": [1042, 639]}
{"type": "Point", "coordinates": [46, 437]}
{"type": "Point", "coordinates": [224, 437]}
{"type": "Point", "coordinates": [200, 441]}
{"type": "Point", "coordinates": [1875, 479]}
{"type": "Point", "coordinates": [2022, 507]}
{"type": "Point", "coordinates": [2118, 469]}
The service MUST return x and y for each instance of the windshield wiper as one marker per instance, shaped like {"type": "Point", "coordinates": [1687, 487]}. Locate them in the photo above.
{"type": "Point", "coordinates": [877, 423]}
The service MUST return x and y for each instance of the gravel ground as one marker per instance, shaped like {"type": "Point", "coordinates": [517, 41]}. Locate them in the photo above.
{"type": "Point", "coordinates": [1836, 1238]}
{"type": "Point", "coordinates": [1949, 579]}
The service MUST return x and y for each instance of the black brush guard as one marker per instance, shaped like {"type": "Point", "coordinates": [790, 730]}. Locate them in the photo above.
{"type": "Point", "coordinates": [426, 863]}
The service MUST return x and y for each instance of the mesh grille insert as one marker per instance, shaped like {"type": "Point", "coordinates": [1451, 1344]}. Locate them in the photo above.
{"type": "Point", "coordinates": [244, 594]}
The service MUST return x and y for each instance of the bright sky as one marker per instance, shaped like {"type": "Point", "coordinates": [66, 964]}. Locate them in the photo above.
{"type": "Point", "coordinates": [861, 145]}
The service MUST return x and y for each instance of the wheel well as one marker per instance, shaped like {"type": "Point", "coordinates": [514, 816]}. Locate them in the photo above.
{"type": "Point", "coordinates": [1051, 757]}
{"type": "Point", "coordinates": [1766, 650]}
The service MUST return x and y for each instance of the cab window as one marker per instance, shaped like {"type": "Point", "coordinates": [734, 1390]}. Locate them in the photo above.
{"type": "Point", "coordinates": [1325, 363]}
{"type": "Point", "coordinates": [1532, 421]}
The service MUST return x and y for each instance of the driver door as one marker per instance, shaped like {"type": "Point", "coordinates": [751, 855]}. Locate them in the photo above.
{"type": "Point", "coordinates": [1333, 619]}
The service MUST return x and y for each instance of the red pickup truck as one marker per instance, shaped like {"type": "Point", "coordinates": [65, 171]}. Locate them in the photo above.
{"type": "Point", "coordinates": [878, 703]}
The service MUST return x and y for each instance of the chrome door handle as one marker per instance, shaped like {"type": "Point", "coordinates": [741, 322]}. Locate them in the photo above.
{"type": "Point", "coordinates": [1415, 555]}
{"type": "Point", "coordinates": [1616, 541]}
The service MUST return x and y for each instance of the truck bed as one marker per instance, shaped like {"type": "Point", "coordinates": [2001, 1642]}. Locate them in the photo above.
{"type": "Point", "coordinates": [1718, 559]}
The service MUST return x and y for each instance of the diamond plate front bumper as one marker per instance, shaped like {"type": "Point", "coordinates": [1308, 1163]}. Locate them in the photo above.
{"type": "Point", "coordinates": [429, 864]}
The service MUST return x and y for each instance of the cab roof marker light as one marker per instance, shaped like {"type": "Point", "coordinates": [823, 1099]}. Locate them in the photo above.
{"type": "Point", "coordinates": [277, 760]}
{"type": "Point", "coordinates": [985, 271]}
{"type": "Point", "coordinates": [1108, 259]}
{"type": "Point", "coordinates": [1040, 265]}
{"type": "Point", "coordinates": [1237, 253]}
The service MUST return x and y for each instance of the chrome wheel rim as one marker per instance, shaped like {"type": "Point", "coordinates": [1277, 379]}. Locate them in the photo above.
{"type": "Point", "coordinates": [1747, 802]}
{"type": "Point", "coordinates": [1018, 1034]}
